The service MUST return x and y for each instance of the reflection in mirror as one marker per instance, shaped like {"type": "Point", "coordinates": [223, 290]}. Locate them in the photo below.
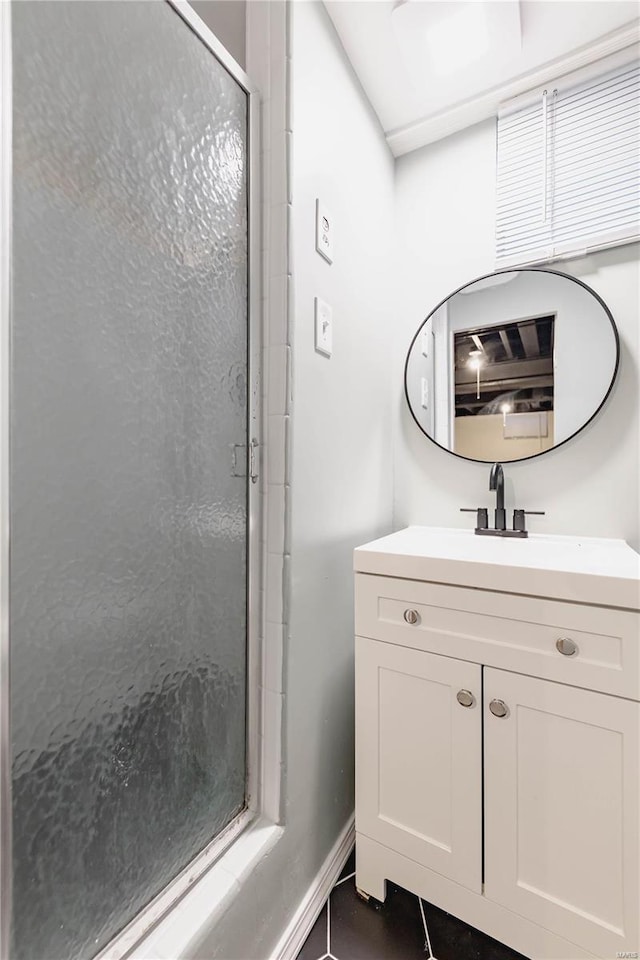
{"type": "Point", "coordinates": [504, 374]}
{"type": "Point", "coordinates": [511, 365]}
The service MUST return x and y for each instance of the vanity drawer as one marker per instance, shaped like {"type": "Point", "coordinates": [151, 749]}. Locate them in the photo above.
{"type": "Point", "coordinates": [509, 631]}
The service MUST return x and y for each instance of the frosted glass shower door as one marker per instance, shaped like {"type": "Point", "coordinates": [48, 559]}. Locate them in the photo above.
{"type": "Point", "coordinates": [128, 583]}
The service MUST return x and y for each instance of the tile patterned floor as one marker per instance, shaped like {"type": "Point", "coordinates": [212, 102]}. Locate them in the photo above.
{"type": "Point", "coordinates": [402, 928]}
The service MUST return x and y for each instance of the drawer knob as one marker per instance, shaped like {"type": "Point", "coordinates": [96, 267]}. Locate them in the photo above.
{"type": "Point", "coordinates": [566, 646]}
{"type": "Point", "coordinates": [499, 708]}
{"type": "Point", "coordinates": [465, 698]}
{"type": "Point", "coordinates": [411, 616]}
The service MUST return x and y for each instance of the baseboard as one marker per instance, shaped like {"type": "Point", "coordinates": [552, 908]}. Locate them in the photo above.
{"type": "Point", "coordinates": [298, 930]}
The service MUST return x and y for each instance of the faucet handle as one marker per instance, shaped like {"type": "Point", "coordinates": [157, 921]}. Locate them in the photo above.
{"type": "Point", "coordinates": [519, 515]}
{"type": "Point", "coordinates": [482, 516]}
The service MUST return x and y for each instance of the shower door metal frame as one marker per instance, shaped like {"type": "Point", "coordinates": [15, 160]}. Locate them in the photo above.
{"type": "Point", "coordinates": [5, 347]}
{"type": "Point", "coordinates": [149, 916]}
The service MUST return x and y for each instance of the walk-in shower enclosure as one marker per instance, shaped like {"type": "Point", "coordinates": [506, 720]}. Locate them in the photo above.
{"type": "Point", "coordinates": [128, 407]}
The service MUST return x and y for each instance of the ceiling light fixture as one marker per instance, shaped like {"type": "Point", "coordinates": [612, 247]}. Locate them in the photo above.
{"type": "Point", "coordinates": [453, 49]}
{"type": "Point", "coordinates": [475, 362]}
{"type": "Point", "coordinates": [459, 38]}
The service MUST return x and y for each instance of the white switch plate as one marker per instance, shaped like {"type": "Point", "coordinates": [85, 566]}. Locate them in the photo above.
{"type": "Point", "coordinates": [424, 398]}
{"type": "Point", "coordinates": [324, 327]}
{"type": "Point", "coordinates": [324, 232]}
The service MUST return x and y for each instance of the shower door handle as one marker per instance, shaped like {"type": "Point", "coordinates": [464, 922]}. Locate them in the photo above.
{"type": "Point", "coordinates": [246, 460]}
{"type": "Point", "coordinates": [254, 460]}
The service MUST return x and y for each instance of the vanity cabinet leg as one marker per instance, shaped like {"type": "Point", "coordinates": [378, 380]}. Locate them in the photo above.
{"type": "Point", "coordinates": [371, 883]}
{"type": "Point", "coordinates": [372, 898]}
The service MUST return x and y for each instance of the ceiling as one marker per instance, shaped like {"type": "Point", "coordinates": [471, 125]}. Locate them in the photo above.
{"type": "Point", "coordinates": [419, 99]}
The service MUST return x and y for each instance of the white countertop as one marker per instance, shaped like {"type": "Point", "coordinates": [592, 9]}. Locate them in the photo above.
{"type": "Point", "coordinates": [580, 569]}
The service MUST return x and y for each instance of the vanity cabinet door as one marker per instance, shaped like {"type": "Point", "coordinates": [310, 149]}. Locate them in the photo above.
{"type": "Point", "coordinates": [418, 757]}
{"type": "Point", "coordinates": [562, 809]}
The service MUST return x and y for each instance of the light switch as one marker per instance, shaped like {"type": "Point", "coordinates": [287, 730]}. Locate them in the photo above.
{"type": "Point", "coordinates": [324, 232]}
{"type": "Point", "coordinates": [324, 327]}
{"type": "Point", "coordinates": [424, 384]}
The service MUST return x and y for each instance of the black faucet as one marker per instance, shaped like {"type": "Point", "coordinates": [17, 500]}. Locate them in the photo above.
{"type": "Point", "coordinates": [496, 482]}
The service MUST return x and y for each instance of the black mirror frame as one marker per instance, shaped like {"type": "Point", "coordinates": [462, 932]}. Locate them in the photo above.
{"type": "Point", "coordinates": [557, 273]}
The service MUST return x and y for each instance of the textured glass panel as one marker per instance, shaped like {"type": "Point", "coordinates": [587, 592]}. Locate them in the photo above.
{"type": "Point", "coordinates": [128, 552]}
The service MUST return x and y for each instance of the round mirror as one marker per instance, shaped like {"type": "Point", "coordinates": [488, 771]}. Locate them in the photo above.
{"type": "Point", "coordinates": [511, 365]}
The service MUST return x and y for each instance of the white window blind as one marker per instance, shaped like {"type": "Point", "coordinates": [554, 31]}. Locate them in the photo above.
{"type": "Point", "coordinates": [568, 169]}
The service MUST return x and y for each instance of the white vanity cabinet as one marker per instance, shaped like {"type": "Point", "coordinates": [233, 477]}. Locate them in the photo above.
{"type": "Point", "coordinates": [498, 735]}
{"type": "Point", "coordinates": [420, 795]}
{"type": "Point", "coordinates": [562, 809]}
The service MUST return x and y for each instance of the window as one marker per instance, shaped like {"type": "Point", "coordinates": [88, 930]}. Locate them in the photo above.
{"type": "Point", "coordinates": [568, 168]}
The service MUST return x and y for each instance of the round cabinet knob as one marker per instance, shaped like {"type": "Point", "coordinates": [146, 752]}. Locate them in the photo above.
{"type": "Point", "coordinates": [498, 708]}
{"type": "Point", "coordinates": [566, 646]}
{"type": "Point", "coordinates": [465, 698]}
{"type": "Point", "coordinates": [411, 616]}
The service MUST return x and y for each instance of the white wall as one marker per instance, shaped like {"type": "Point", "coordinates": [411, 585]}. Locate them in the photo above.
{"type": "Point", "coordinates": [341, 455]}
{"type": "Point", "coordinates": [336, 414]}
{"type": "Point", "coordinates": [445, 197]}
{"type": "Point", "coordinates": [341, 477]}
